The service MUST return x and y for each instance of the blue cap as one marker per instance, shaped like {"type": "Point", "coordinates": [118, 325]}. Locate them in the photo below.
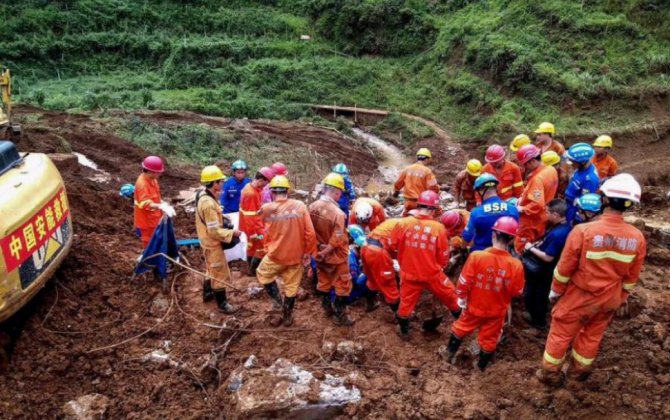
{"type": "Point", "coordinates": [239, 164]}
{"type": "Point", "coordinates": [357, 234]}
{"type": "Point", "coordinates": [486, 180]}
{"type": "Point", "coordinates": [590, 202]}
{"type": "Point", "coordinates": [341, 169]}
{"type": "Point", "coordinates": [580, 152]}
{"type": "Point", "coordinates": [127, 190]}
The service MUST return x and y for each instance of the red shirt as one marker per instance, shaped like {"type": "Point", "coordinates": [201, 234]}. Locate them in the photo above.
{"type": "Point", "coordinates": [510, 182]}
{"type": "Point", "coordinates": [422, 247]}
{"type": "Point", "coordinates": [147, 191]}
{"type": "Point", "coordinates": [250, 202]}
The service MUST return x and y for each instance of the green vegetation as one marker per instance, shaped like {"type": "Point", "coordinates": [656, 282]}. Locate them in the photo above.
{"type": "Point", "coordinates": [481, 68]}
{"type": "Point", "coordinates": [409, 131]}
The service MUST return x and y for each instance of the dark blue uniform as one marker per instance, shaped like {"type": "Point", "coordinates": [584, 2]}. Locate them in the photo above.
{"type": "Point", "coordinates": [583, 181]}
{"type": "Point", "coordinates": [482, 219]}
{"type": "Point", "coordinates": [230, 195]}
{"type": "Point", "coordinates": [348, 195]}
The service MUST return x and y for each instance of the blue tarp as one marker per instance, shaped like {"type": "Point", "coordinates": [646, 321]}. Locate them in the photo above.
{"type": "Point", "coordinates": [163, 241]}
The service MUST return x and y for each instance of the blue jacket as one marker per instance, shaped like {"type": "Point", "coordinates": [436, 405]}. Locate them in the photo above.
{"type": "Point", "coordinates": [482, 219]}
{"type": "Point", "coordinates": [230, 195]}
{"type": "Point", "coordinates": [347, 197]}
{"type": "Point", "coordinates": [583, 181]}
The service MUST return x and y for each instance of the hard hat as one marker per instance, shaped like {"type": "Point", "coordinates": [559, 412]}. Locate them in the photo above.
{"type": "Point", "coordinates": [279, 168]}
{"type": "Point", "coordinates": [267, 173]}
{"type": "Point", "coordinates": [280, 182]}
{"type": "Point", "coordinates": [334, 180]}
{"type": "Point", "coordinates": [127, 190]}
{"type": "Point", "coordinates": [486, 181]}
{"type": "Point", "coordinates": [495, 153]}
{"type": "Point", "coordinates": [550, 158]}
{"type": "Point", "coordinates": [153, 164]}
{"type": "Point", "coordinates": [357, 235]}
{"type": "Point", "coordinates": [210, 174]}
{"type": "Point", "coordinates": [580, 152]}
{"type": "Point", "coordinates": [341, 169]}
{"type": "Point", "coordinates": [513, 201]}
{"type": "Point", "coordinates": [518, 142]}
{"type": "Point", "coordinates": [474, 167]}
{"type": "Point", "coordinates": [603, 141]}
{"type": "Point", "coordinates": [622, 186]}
{"type": "Point", "coordinates": [239, 164]}
{"type": "Point", "coordinates": [506, 225]}
{"type": "Point", "coordinates": [450, 219]}
{"type": "Point", "coordinates": [424, 152]}
{"type": "Point", "coordinates": [546, 128]}
{"type": "Point", "coordinates": [527, 153]}
{"type": "Point", "coordinates": [363, 212]}
{"type": "Point", "coordinates": [429, 198]}
{"type": "Point", "coordinates": [590, 202]}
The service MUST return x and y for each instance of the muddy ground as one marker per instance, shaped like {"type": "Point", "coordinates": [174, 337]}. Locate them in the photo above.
{"type": "Point", "coordinates": [77, 336]}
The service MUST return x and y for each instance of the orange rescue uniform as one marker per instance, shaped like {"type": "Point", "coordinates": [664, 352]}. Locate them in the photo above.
{"type": "Point", "coordinates": [378, 262]}
{"type": "Point", "coordinates": [464, 185]}
{"type": "Point", "coordinates": [540, 190]}
{"type": "Point", "coordinates": [378, 214]}
{"type": "Point", "coordinates": [423, 251]}
{"type": "Point", "coordinates": [488, 282]}
{"type": "Point", "coordinates": [147, 191]}
{"type": "Point", "coordinates": [333, 270]}
{"type": "Point", "coordinates": [250, 222]}
{"type": "Point", "coordinates": [599, 266]}
{"type": "Point", "coordinates": [606, 166]}
{"type": "Point", "coordinates": [510, 182]}
{"type": "Point", "coordinates": [414, 180]}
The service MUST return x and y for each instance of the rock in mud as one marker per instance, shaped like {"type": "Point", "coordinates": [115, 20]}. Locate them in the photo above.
{"type": "Point", "coordinates": [88, 407]}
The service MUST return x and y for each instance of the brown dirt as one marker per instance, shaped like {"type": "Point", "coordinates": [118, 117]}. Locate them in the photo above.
{"type": "Point", "coordinates": [92, 303]}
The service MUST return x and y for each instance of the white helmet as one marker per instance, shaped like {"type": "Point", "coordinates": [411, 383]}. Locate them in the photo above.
{"type": "Point", "coordinates": [363, 212]}
{"type": "Point", "coordinates": [622, 186]}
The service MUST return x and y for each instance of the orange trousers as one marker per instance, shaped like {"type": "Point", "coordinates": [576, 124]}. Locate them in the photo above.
{"type": "Point", "coordinates": [490, 329]}
{"type": "Point", "coordinates": [378, 266]}
{"type": "Point", "coordinates": [145, 235]}
{"type": "Point", "coordinates": [335, 276]}
{"type": "Point", "coordinates": [256, 248]}
{"type": "Point", "coordinates": [531, 229]}
{"type": "Point", "coordinates": [410, 292]}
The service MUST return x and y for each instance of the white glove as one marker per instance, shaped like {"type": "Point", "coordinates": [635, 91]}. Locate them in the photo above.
{"type": "Point", "coordinates": [553, 296]}
{"type": "Point", "coordinates": [396, 266]}
{"type": "Point", "coordinates": [167, 209]}
{"type": "Point", "coordinates": [462, 303]}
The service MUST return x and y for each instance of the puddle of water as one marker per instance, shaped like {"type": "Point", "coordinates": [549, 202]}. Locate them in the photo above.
{"type": "Point", "coordinates": [101, 175]}
{"type": "Point", "coordinates": [391, 163]}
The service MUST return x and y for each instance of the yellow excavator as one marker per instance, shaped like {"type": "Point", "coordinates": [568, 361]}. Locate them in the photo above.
{"type": "Point", "coordinates": [35, 221]}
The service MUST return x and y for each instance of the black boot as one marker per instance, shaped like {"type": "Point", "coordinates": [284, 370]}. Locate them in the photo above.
{"type": "Point", "coordinates": [404, 328]}
{"type": "Point", "coordinates": [289, 302]}
{"type": "Point", "coordinates": [341, 317]}
{"type": "Point", "coordinates": [325, 303]}
{"type": "Point", "coordinates": [222, 302]}
{"type": "Point", "coordinates": [207, 293]}
{"type": "Point", "coordinates": [273, 292]}
{"type": "Point", "coordinates": [371, 301]}
{"type": "Point", "coordinates": [452, 347]}
{"type": "Point", "coordinates": [253, 266]}
{"type": "Point", "coordinates": [484, 359]}
{"type": "Point", "coordinates": [456, 314]}
{"type": "Point", "coordinates": [394, 307]}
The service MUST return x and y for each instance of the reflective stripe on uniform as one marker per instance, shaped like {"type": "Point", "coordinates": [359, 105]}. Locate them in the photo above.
{"type": "Point", "coordinates": [581, 359]}
{"type": "Point", "coordinates": [560, 278]}
{"type": "Point", "coordinates": [504, 190]}
{"type": "Point", "coordinates": [214, 224]}
{"type": "Point", "coordinates": [248, 213]}
{"type": "Point", "coordinates": [629, 286]}
{"type": "Point", "coordinates": [518, 184]}
{"type": "Point", "coordinates": [142, 204]}
{"type": "Point", "coordinates": [594, 255]}
{"type": "Point", "coordinates": [551, 359]}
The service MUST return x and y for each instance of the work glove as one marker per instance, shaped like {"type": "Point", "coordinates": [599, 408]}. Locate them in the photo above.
{"type": "Point", "coordinates": [167, 209]}
{"type": "Point", "coordinates": [462, 303]}
{"type": "Point", "coordinates": [553, 297]}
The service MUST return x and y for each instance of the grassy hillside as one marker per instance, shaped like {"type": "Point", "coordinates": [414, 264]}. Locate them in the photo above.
{"type": "Point", "coordinates": [481, 68]}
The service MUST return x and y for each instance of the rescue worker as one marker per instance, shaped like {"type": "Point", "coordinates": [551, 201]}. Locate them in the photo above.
{"type": "Point", "coordinates": [551, 158]}
{"type": "Point", "coordinates": [545, 141]}
{"type": "Point", "coordinates": [250, 222]}
{"type": "Point", "coordinates": [488, 282]}
{"type": "Point", "coordinates": [540, 189]}
{"type": "Point", "coordinates": [377, 260]}
{"type": "Point", "coordinates": [149, 207]}
{"type": "Point", "coordinates": [332, 259]}
{"type": "Point", "coordinates": [584, 179]}
{"type": "Point", "coordinates": [484, 216]}
{"type": "Point", "coordinates": [464, 183]}
{"type": "Point", "coordinates": [508, 174]}
{"type": "Point", "coordinates": [368, 213]}
{"type": "Point", "coordinates": [599, 267]}
{"type": "Point", "coordinates": [232, 188]}
{"type": "Point", "coordinates": [455, 222]}
{"type": "Point", "coordinates": [423, 251]}
{"type": "Point", "coordinates": [589, 206]}
{"type": "Point", "coordinates": [606, 165]}
{"type": "Point", "coordinates": [359, 278]}
{"type": "Point", "coordinates": [290, 244]}
{"type": "Point", "coordinates": [349, 194]}
{"type": "Point", "coordinates": [212, 235]}
{"type": "Point", "coordinates": [278, 168]}
{"type": "Point", "coordinates": [415, 179]}
{"type": "Point", "coordinates": [517, 143]}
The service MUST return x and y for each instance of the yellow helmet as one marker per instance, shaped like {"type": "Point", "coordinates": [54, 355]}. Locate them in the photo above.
{"type": "Point", "coordinates": [546, 128]}
{"type": "Point", "coordinates": [280, 181]}
{"type": "Point", "coordinates": [334, 180]}
{"type": "Point", "coordinates": [424, 152]}
{"type": "Point", "coordinates": [210, 174]}
{"type": "Point", "coordinates": [603, 141]}
{"type": "Point", "coordinates": [474, 167]}
{"type": "Point", "coordinates": [550, 158]}
{"type": "Point", "coordinates": [518, 142]}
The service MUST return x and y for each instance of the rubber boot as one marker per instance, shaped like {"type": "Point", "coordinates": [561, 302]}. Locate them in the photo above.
{"type": "Point", "coordinates": [341, 317]}
{"type": "Point", "coordinates": [253, 266]}
{"type": "Point", "coordinates": [577, 374]}
{"type": "Point", "coordinates": [207, 293]}
{"type": "Point", "coordinates": [325, 303]}
{"type": "Point", "coordinates": [394, 307]}
{"type": "Point", "coordinates": [404, 328]}
{"type": "Point", "coordinates": [287, 320]}
{"type": "Point", "coordinates": [452, 348]}
{"type": "Point", "coordinates": [457, 314]}
{"type": "Point", "coordinates": [371, 302]}
{"type": "Point", "coordinates": [484, 359]}
{"type": "Point", "coordinates": [554, 379]}
{"type": "Point", "coordinates": [273, 292]}
{"type": "Point", "coordinates": [222, 302]}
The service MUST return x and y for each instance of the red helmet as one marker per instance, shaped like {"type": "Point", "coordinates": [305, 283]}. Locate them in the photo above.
{"type": "Point", "coordinates": [506, 225]}
{"type": "Point", "coordinates": [495, 153]}
{"type": "Point", "coordinates": [450, 219]}
{"type": "Point", "coordinates": [279, 168]}
{"type": "Point", "coordinates": [267, 173]}
{"type": "Point", "coordinates": [429, 198]}
{"type": "Point", "coordinates": [527, 153]}
{"type": "Point", "coordinates": [153, 164]}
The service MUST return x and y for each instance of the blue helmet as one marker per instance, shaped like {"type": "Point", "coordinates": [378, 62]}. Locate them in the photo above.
{"type": "Point", "coordinates": [590, 202]}
{"type": "Point", "coordinates": [341, 169]}
{"type": "Point", "coordinates": [357, 235]}
{"type": "Point", "coordinates": [239, 164]}
{"type": "Point", "coordinates": [486, 181]}
{"type": "Point", "coordinates": [580, 152]}
{"type": "Point", "coordinates": [127, 190]}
